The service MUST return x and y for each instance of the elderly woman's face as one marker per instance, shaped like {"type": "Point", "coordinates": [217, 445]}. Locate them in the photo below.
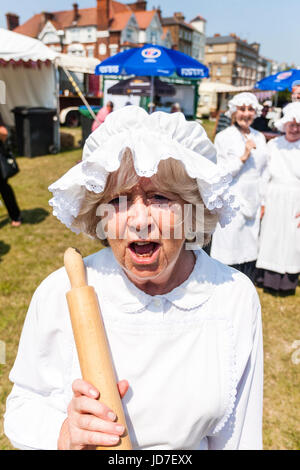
{"type": "Point", "coordinates": [145, 230]}
{"type": "Point", "coordinates": [245, 116]}
{"type": "Point", "coordinates": [292, 131]}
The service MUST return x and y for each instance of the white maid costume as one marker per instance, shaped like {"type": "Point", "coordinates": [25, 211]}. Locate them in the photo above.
{"type": "Point", "coordinates": [237, 243]}
{"type": "Point", "coordinates": [193, 357]}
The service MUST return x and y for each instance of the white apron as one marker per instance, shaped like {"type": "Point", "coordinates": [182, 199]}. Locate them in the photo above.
{"type": "Point", "coordinates": [279, 249]}
{"type": "Point", "coordinates": [238, 242]}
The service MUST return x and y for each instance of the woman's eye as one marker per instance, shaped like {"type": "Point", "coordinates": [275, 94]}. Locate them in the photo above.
{"type": "Point", "coordinates": [159, 198]}
{"type": "Point", "coordinates": [115, 201]}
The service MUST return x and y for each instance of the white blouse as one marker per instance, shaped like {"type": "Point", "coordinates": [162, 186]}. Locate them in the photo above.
{"type": "Point", "coordinates": [238, 242]}
{"type": "Point", "coordinates": [279, 249]}
{"type": "Point", "coordinates": [193, 359]}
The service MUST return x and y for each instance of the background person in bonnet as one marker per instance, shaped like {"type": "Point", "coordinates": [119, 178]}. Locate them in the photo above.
{"type": "Point", "coordinates": [6, 190]}
{"type": "Point", "coordinates": [184, 330]}
{"type": "Point", "coordinates": [279, 252]}
{"type": "Point", "coordinates": [242, 151]}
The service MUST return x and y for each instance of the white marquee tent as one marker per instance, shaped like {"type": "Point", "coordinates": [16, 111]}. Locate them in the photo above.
{"type": "Point", "coordinates": [77, 64]}
{"type": "Point", "coordinates": [212, 95]}
{"type": "Point", "coordinates": [28, 70]}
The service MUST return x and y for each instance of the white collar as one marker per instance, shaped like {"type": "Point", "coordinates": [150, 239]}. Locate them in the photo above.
{"type": "Point", "coordinates": [290, 145]}
{"type": "Point", "coordinates": [192, 293]}
{"type": "Point", "coordinates": [252, 133]}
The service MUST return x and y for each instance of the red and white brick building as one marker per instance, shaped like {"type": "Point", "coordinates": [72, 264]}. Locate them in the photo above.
{"type": "Point", "coordinates": [104, 30]}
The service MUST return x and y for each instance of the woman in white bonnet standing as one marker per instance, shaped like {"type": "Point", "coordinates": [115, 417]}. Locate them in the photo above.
{"type": "Point", "coordinates": [242, 151]}
{"type": "Point", "coordinates": [279, 251]}
{"type": "Point", "coordinates": [184, 330]}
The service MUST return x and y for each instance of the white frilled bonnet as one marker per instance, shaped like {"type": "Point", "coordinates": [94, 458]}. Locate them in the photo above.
{"type": "Point", "coordinates": [290, 112]}
{"type": "Point", "coordinates": [151, 138]}
{"type": "Point", "coordinates": [244, 99]}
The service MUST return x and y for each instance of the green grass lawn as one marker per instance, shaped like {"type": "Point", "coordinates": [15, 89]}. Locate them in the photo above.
{"type": "Point", "coordinates": [31, 252]}
{"type": "Point", "coordinates": [209, 126]}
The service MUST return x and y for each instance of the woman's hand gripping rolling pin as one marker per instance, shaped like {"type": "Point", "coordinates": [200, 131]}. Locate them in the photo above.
{"type": "Point", "coordinates": [90, 423]}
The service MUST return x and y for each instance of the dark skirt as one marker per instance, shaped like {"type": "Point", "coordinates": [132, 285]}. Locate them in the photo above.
{"type": "Point", "coordinates": [275, 283]}
{"type": "Point", "coordinates": [247, 268]}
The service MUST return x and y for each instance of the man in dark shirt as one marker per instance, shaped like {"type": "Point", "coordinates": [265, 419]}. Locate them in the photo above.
{"type": "Point", "coordinates": [6, 190]}
{"type": "Point", "coordinates": [261, 123]}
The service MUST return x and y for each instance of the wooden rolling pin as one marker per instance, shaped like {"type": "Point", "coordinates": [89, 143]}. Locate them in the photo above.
{"type": "Point", "coordinates": [91, 341]}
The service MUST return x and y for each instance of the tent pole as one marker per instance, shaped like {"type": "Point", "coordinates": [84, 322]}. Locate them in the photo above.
{"type": "Point", "coordinates": [57, 122]}
{"type": "Point", "coordinates": [151, 94]}
{"type": "Point", "coordinates": [78, 91]}
{"type": "Point", "coordinates": [196, 99]}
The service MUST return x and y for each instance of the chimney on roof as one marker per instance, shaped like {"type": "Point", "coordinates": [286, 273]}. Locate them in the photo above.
{"type": "Point", "coordinates": [158, 11]}
{"type": "Point", "coordinates": [76, 13]}
{"type": "Point", "coordinates": [179, 16]}
{"type": "Point", "coordinates": [46, 16]}
{"type": "Point", "coordinates": [12, 21]}
{"type": "Point", "coordinates": [233, 35]}
{"type": "Point", "coordinates": [103, 13]}
{"type": "Point", "coordinates": [217, 35]}
{"type": "Point", "coordinates": [139, 5]}
{"type": "Point", "coordinates": [255, 46]}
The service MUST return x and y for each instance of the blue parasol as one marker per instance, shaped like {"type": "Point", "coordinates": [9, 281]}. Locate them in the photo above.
{"type": "Point", "coordinates": [280, 81]}
{"type": "Point", "coordinates": [151, 60]}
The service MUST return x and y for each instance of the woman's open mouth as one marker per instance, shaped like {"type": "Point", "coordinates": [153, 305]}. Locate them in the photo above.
{"type": "Point", "coordinates": [144, 252]}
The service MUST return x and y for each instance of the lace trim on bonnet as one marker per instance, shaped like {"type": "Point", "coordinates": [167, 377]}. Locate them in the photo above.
{"type": "Point", "coordinates": [290, 112]}
{"type": "Point", "coordinates": [151, 138]}
{"type": "Point", "coordinates": [243, 99]}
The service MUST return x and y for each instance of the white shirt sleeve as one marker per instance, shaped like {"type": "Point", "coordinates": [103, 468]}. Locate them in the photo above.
{"type": "Point", "coordinates": [36, 406]}
{"type": "Point", "coordinates": [226, 155]}
{"type": "Point", "coordinates": [243, 430]}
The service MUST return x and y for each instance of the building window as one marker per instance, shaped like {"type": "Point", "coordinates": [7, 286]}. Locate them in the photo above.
{"type": "Point", "coordinates": [218, 73]}
{"type": "Point", "coordinates": [90, 34]}
{"type": "Point", "coordinates": [113, 49]}
{"type": "Point", "coordinates": [90, 51]}
{"type": "Point", "coordinates": [76, 49]}
{"type": "Point", "coordinates": [153, 37]}
{"type": "Point", "coordinates": [224, 59]}
{"type": "Point", "coordinates": [75, 34]}
{"type": "Point", "coordinates": [129, 35]}
{"type": "Point", "coordinates": [102, 49]}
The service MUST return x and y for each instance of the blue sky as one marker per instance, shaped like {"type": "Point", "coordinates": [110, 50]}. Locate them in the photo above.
{"type": "Point", "coordinates": [272, 23]}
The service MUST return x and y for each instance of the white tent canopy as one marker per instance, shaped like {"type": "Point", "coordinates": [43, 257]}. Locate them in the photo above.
{"type": "Point", "coordinates": [77, 64]}
{"type": "Point", "coordinates": [32, 86]}
{"type": "Point", "coordinates": [219, 87]}
{"type": "Point", "coordinates": [26, 85]}
{"type": "Point", "coordinates": [14, 46]}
